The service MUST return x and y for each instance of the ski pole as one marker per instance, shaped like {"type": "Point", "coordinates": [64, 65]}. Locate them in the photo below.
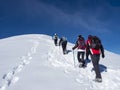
{"type": "Point", "coordinates": [74, 58]}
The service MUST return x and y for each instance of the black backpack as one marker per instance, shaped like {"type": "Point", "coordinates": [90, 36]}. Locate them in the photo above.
{"type": "Point", "coordinates": [55, 37]}
{"type": "Point", "coordinates": [95, 43]}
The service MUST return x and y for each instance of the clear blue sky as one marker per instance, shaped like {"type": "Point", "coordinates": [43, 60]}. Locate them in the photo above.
{"type": "Point", "coordinates": [65, 17]}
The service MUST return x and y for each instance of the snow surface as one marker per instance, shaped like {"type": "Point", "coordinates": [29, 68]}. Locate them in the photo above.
{"type": "Point", "coordinates": [33, 62]}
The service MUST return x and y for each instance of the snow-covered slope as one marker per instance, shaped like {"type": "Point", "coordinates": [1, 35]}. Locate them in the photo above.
{"type": "Point", "coordinates": [32, 62]}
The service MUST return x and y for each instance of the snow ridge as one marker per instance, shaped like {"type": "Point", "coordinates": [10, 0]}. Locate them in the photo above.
{"type": "Point", "coordinates": [81, 77]}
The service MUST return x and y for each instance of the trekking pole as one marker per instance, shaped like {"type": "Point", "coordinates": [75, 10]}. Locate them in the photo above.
{"type": "Point", "coordinates": [74, 58]}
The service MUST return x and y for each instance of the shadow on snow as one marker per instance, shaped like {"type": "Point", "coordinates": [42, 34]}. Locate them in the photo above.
{"type": "Point", "coordinates": [102, 68]}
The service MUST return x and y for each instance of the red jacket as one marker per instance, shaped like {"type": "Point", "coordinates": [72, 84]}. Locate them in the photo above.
{"type": "Point", "coordinates": [94, 51]}
{"type": "Point", "coordinates": [87, 45]}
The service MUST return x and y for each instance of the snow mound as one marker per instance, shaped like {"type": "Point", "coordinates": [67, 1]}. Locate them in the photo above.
{"type": "Point", "coordinates": [33, 62]}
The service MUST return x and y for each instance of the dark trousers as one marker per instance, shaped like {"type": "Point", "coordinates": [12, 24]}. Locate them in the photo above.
{"type": "Point", "coordinates": [87, 54]}
{"type": "Point", "coordinates": [55, 41]}
{"type": "Point", "coordinates": [95, 61]}
{"type": "Point", "coordinates": [64, 44]}
{"type": "Point", "coordinates": [80, 57]}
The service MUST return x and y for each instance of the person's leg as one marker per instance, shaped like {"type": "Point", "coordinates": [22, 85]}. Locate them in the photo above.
{"type": "Point", "coordinates": [87, 54]}
{"type": "Point", "coordinates": [56, 42]}
{"type": "Point", "coordinates": [78, 57]}
{"type": "Point", "coordinates": [95, 61]}
{"type": "Point", "coordinates": [63, 46]}
{"type": "Point", "coordinates": [82, 59]}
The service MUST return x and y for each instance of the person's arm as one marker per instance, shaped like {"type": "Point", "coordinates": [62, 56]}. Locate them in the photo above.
{"type": "Point", "coordinates": [102, 51]}
{"type": "Point", "coordinates": [60, 42]}
{"type": "Point", "coordinates": [76, 45]}
{"type": "Point", "coordinates": [87, 46]}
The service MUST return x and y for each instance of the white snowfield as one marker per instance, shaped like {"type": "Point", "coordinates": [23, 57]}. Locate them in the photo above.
{"type": "Point", "coordinates": [33, 62]}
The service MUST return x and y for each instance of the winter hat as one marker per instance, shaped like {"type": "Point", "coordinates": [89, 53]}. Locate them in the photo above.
{"type": "Point", "coordinates": [79, 36]}
{"type": "Point", "coordinates": [89, 36]}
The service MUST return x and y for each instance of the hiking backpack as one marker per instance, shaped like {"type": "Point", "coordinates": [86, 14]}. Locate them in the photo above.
{"type": "Point", "coordinates": [55, 37]}
{"type": "Point", "coordinates": [95, 43]}
{"type": "Point", "coordinates": [64, 39]}
{"type": "Point", "coordinates": [81, 43]}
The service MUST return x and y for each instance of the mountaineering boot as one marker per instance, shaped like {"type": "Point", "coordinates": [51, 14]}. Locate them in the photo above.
{"type": "Point", "coordinates": [81, 65]}
{"type": "Point", "coordinates": [98, 79]}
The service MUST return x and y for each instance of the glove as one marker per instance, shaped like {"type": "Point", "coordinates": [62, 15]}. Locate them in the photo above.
{"type": "Point", "coordinates": [103, 55]}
